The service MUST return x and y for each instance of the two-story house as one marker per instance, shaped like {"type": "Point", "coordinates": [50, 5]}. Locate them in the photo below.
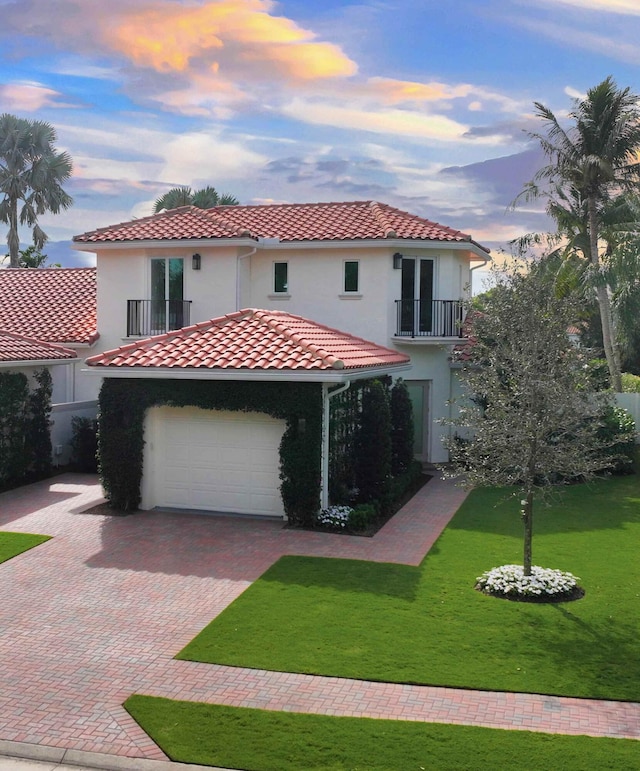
{"type": "Point", "coordinates": [371, 271]}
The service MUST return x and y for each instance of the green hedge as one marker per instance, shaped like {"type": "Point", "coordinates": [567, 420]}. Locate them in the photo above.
{"type": "Point", "coordinates": [123, 404]}
{"type": "Point", "coordinates": [25, 439]}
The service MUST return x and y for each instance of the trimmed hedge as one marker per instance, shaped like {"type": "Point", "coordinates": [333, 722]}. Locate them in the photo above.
{"type": "Point", "coordinates": [25, 439]}
{"type": "Point", "coordinates": [122, 407]}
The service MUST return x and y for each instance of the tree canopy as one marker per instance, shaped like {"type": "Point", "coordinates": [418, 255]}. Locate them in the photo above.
{"type": "Point", "coordinates": [205, 198]}
{"type": "Point", "coordinates": [593, 165]}
{"type": "Point", "coordinates": [32, 173]}
{"type": "Point", "coordinates": [530, 420]}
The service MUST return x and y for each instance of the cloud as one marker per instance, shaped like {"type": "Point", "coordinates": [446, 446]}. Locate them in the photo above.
{"type": "Point", "coordinates": [625, 7]}
{"type": "Point", "coordinates": [30, 97]}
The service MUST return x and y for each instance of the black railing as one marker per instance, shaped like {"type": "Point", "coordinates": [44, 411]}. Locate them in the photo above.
{"type": "Point", "coordinates": [429, 318]}
{"type": "Point", "coordinates": [153, 317]}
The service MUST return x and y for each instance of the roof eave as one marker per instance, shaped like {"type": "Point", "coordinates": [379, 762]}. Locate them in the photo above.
{"type": "Point", "coordinates": [36, 362]}
{"type": "Point", "coordinates": [275, 244]}
{"type": "Point", "coordinates": [264, 375]}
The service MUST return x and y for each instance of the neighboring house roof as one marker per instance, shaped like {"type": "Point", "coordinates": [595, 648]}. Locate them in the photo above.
{"type": "Point", "coordinates": [353, 220]}
{"type": "Point", "coordinates": [18, 348]}
{"type": "Point", "coordinates": [253, 339]}
{"type": "Point", "coordinates": [55, 305]}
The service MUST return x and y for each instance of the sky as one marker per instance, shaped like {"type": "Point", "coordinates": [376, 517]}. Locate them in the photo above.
{"type": "Point", "coordinates": [422, 104]}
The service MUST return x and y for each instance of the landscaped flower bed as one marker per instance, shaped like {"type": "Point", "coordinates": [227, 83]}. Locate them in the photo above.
{"type": "Point", "coordinates": [543, 585]}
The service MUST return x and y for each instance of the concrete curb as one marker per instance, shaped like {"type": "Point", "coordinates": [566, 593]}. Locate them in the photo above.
{"type": "Point", "coordinates": [93, 760]}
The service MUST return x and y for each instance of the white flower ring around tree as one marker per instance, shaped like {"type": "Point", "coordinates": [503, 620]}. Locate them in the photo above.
{"type": "Point", "coordinates": [543, 585]}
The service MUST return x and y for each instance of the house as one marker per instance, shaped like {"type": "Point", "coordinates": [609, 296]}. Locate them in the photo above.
{"type": "Point", "coordinates": [48, 318]}
{"type": "Point", "coordinates": [385, 278]}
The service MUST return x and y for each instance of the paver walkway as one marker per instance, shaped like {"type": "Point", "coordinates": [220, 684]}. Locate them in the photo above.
{"type": "Point", "coordinates": [98, 612]}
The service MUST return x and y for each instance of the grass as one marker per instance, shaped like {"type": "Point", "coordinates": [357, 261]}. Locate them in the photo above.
{"type": "Point", "coordinates": [258, 740]}
{"type": "Point", "coordinates": [427, 625]}
{"type": "Point", "coordinates": [12, 544]}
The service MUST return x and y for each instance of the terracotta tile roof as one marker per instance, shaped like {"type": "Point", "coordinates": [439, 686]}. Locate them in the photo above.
{"type": "Point", "coordinates": [20, 348]}
{"type": "Point", "coordinates": [252, 339]}
{"type": "Point", "coordinates": [353, 220]}
{"type": "Point", "coordinates": [56, 305]}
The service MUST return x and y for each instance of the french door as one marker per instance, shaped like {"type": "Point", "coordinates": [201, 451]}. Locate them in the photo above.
{"type": "Point", "coordinates": [416, 299]}
{"type": "Point", "coordinates": [167, 294]}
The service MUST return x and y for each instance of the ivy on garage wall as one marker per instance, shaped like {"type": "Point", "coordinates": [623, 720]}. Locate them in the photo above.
{"type": "Point", "coordinates": [123, 404]}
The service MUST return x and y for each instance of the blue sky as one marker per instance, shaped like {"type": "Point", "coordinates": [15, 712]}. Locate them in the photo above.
{"type": "Point", "coordinates": [423, 105]}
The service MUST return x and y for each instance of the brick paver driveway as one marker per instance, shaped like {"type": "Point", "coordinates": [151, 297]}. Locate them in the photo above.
{"type": "Point", "coordinates": [98, 612]}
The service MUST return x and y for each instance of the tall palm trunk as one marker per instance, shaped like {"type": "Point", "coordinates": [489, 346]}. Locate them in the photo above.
{"type": "Point", "coordinates": [13, 239]}
{"type": "Point", "coordinates": [602, 294]}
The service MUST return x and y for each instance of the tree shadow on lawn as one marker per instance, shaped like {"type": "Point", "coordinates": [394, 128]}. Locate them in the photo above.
{"type": "Point", "coordinates": [605, 504]}
{"type": "Point", "coordinates": [604, 651]}
{"type": "Point", "coordinates": [347, 575]}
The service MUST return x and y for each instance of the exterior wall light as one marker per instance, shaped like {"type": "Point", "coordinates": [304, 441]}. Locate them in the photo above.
{"type": "Point", "coordinates": [196, 261]}
{"type": "Point", "coordinates": [397, 261]}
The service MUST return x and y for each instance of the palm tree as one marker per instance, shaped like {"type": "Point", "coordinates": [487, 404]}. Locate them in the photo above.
{"type": "Point", "coordinates": [31, 171]}
{"type": "Point", "coordinates": [206, 198]}
{"type": "Point", "coordinates": [591, 163]}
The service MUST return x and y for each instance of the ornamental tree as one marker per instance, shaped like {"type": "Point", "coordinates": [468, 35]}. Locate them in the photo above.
{"type": "Point", "coordinates": [529, 420]}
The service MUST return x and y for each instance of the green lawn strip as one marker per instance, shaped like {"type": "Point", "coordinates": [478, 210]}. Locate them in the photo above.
{"type": "Point", "coordinates": [427, 625]}
{"type": "Point", "coordinates": [258, 740]}
{"type": "Point", "coordinates": [12, 544]}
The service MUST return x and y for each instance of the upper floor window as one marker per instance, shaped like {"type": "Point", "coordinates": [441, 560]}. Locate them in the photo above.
{"type": "Point", "coordinates": [351, 276]}
{"type": "Point", "coordinates": [280, 277]}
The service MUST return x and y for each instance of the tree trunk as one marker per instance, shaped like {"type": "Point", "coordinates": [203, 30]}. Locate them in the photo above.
{"type": "Point", "coordinates": [13, 238]}
{"type": "Point", "coordinates": [527, 520]}
{"type": "Point", "coordinates": [602, 293]}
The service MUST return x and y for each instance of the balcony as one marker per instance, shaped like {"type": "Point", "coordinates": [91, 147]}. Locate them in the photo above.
{"type": "Point", "coordinates": [155, 317]}
{"type": "Point", "coordinates": [428, 319]}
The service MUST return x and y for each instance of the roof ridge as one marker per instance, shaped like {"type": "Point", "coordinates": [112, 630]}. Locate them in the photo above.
{"type": "Point", "coordinates": [225, 223]}
{"type": "Point", "coordinates": [381, 217]}
{"type": "Point", "coordinates": [43, 343]}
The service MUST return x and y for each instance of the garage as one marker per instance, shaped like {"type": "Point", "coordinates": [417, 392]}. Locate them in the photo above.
{"type": "Point", "coordinates": [212, 460]}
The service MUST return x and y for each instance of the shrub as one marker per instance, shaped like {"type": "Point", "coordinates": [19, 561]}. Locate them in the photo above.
{"type": "Point", "coordinates": [362, 516]}
{"type": "Point", "coordinates": [598, 373]}
{"type": "Point", "coordinates": [84, 444]}
{"type": "Point", "coordinates": [373, 459]}
{"type": "Point", "coordinates": [400, 485]}
{"type": "Point", "coordinates": [630, 383]}
{"type": "Point", "coordinates": [620, 429]}
{"type": "Point", "coordinates": [401, 429]}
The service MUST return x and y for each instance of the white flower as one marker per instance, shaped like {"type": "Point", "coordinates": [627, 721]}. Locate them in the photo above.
{"type": "Point", "coordinates": [511, 580]}
{"type": "Point", "coordinates": [334, 516]}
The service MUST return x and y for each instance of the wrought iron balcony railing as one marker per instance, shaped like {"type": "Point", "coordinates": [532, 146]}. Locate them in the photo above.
{"type": "Point", "coordinates": [154, 317]}
{"type": "Point", "coordinates": [429, 318]}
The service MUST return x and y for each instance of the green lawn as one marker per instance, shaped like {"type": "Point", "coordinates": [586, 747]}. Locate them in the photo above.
{"type": "Point", "coordinates": [258, 740]}
{"type": "Point", "coordinates": [427, 624]}
{"type": "Point", "coordinates": [12, 544]}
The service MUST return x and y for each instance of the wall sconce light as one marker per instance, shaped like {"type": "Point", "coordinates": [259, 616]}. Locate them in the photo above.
{"type": "Point", "coordinates": [397, 261]}
{"type": "Point", "coordinates": [196, 261]}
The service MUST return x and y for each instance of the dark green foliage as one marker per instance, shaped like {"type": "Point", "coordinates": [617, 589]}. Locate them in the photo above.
{"type": "Point", "coordinates": [14, 401]}
{"type": "Point", "coordinates": [618, 427]}
{"type": "Point", "coordinates": [122, 408]}
{"type": "Point", "coordinates": [39, 427]}
{"type": "Point", "coordinates": [598, 372]}
{"type": "Point", "coordinates": [84, 444]}
{"type": "Point", "coordinates": [402, 429]}
{"type": "Point", "coordinates": [25, 440]}
{"type": "Point", "coordinates": [363, 515]}
{"type": "Point", "coordinates": [344, 422]}
{"type": "Point", "coordinates": [373, 443]}
{"type": "Point", "coordinates": [630, 383]}
{"type": "Point", "coordinates": [411, 479]}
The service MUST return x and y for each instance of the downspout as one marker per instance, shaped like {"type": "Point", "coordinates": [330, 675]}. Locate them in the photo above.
{"type": "Point", "coordinates": [239, 259]}
{"type": "Point", "coordinates": [324, 460]}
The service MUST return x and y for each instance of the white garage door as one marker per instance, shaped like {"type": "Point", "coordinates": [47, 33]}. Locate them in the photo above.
{"type": "Point", "coordinates": [215, 460]}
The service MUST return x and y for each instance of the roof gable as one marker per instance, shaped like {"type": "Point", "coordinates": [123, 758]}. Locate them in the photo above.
{"type": "Point", "coordinates": [253, 340]}
{"type": "Point", "coordinates": [56, 305]}
{"type": "Point", "coordinates": [353, 220]}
